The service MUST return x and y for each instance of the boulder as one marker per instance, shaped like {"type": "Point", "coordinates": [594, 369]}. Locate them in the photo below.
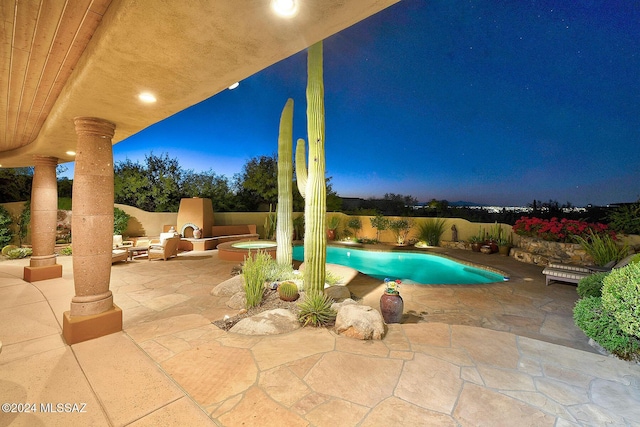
{"type": "Point", "coordinates": [337, 293]}
{"type": "Point", "coordinates": [237, 301]}
{"type": "Point", "coordinates": [229, 287]}
{"type": "Point", "coordinates": [359, 321]}
{"type": "Point", "coordinates": [272, 322]}
{"type": "Point", "coordinates": [337, 305]}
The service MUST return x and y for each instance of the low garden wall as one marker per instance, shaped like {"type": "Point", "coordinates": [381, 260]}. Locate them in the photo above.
{"type": "Point", "coordinates": [541, 252]}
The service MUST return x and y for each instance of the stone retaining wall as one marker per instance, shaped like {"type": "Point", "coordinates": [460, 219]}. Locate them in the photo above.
{"type": "Point", "coordinates": [542, 252]}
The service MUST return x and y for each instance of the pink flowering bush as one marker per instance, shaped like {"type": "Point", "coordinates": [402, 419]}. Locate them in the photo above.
{"type": "Point", "coordinates": [555, 230]}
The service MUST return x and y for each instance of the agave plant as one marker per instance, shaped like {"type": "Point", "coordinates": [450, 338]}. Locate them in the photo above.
{"type": "Point", "coordinates": [315, 310]}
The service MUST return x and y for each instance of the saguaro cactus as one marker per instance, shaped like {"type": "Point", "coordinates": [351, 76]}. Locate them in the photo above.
{"type": "Point", "coordinates": [284, 224]}
{"type": "Point", "coordinates": [315, 190]}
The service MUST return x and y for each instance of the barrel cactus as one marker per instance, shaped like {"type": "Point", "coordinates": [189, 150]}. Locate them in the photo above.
{"type": "Point", "coordinates": [288, 291]}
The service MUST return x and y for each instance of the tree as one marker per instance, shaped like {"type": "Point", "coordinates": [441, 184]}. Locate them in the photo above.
{"type": "Point", "coordinates": [15, 184]}
{"type": "Point", "coordinates": [257, 184]}
{"type": "Point", "coordinates": [5, 227]}
{"type": "Point", "coordinates": [154, 187]}
{"type": "Point", "coordinates": [211, 186]}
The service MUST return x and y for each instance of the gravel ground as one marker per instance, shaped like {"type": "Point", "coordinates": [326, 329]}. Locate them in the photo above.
{"type": "Point", "coordinates": [270, 301]}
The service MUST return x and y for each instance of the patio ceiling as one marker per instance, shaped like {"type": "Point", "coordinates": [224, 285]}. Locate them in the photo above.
{"type": "Point", "coordinates": [61, 59]}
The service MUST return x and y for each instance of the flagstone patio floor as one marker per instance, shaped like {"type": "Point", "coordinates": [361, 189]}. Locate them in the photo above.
{"type": "Point", "coordinates": [503, 354]}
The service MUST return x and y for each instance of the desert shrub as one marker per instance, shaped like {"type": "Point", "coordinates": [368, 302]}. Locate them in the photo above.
{"type": "Point", "coordinates": [591, 286]}
{"type": "Point", "coordinates": [557, 230]}
{"type": "Point", "coordinates": [66, 251]}
{"type": "Point", "coordinates": [400, 229]}
{"type": "Point", "coordinates": [120, 221]}
{"type": "Point", "coordinates": [600, 325]}
{"type": "Point", "coordinates": [621, 297]}
{"type": "Point", "coordinates": [315, 310]}
{"type": "Point", "coordinates": [254, 271]}
{"type": "Point", "coordinates": [602, 248]}
{"type": "Point", "coordinates": [431, 231]}
{"type": "Point", "coordinates": [380, 223]}
{"type": "Point", "coordinates": [355, 225]}
{"type": "Point", "coordinates": [277, 272]}
{"type": "Point", "coordinates": [19, 253]}
{"type": "Point", "coordinates": [331, 278]}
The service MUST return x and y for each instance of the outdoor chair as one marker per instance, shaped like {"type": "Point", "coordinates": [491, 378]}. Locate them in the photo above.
{"type": "Point", "coordinates": [120, 254]}
{"type": "Point", "coordinates": [118, 242]}
{"type": "Point", "coordinates": [120, 251]}
{"type": "Point", "coordinates": [574, 273]}
{"type": "Point", "coordinates": [166, 249]}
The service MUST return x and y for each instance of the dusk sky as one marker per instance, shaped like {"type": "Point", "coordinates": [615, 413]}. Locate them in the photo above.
{"type": "Point", "coordinates": [491, 102]}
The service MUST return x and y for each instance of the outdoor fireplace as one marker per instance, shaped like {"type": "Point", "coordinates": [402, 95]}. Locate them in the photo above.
{"type": "Point", "coordinates": [195, 212]}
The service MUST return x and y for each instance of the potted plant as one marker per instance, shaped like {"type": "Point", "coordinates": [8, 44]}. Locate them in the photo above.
{"type": "Point", "coordinates": [477, 241]}
{"type": "Point", "coordinates": [391, 303]}
{"type": "Point", "coordinates": [504, 244]}
{"type": "Point", "coordinates": [332, 224]}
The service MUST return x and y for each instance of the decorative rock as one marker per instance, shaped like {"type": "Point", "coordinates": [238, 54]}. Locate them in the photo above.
{"type": "Point", "coordinates": [272, 322]}
{"type": "Point", "coordinates": [360, 322]}
{"type": "Point", "coordinates": [229, 287]}
{"type": "Point", "coordinates": [337, 292]}
{"type": "Point", "coordinates": [337, 305]}
{"type": "Point", "coordinates": [237, 301]}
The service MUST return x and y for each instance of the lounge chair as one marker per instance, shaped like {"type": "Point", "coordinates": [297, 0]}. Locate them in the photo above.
{"type": "Point", "coordinates": [165, 249]}
{"type": "Point", "coordinates": [120, 251]}
{"type": "Point", "coordinates": [573, 273]}
{"type": "Point", "coordinates": [120, 254]}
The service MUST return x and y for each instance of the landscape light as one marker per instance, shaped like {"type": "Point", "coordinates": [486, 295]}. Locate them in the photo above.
{"type": "Point", "coordinates": [285, 8]}
{"type": "Point", "coordinates": [71, 153]}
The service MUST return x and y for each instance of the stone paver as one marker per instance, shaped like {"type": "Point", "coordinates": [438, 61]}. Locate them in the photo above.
{"type": "Point", "coordinates": [498, 354]}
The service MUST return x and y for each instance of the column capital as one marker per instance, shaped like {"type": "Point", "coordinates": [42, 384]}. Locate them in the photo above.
{"type": "Point", "coordinates": [45, 161]}
{"type": "Point", "coordinates": [94, 126]}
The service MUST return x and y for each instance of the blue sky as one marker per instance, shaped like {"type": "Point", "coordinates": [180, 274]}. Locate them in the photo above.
{"type": "Point", "coordinates": [485, 101]}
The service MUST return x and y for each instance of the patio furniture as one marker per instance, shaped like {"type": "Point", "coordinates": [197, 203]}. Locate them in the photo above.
{"type": "Point", "coordinates": [573, 273]}
{"type": "Point", "coordinates": [118, 242]}
{"type": "Point", "coordinates": [120, 254]}
{"type": "Point", "coordinates": [166, 249]}
{"type": "Point", "coordinates": [120, 250]}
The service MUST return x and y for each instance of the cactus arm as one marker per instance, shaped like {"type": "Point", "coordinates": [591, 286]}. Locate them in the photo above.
{"type": "Point", "coordinates": [301, 167]}
{"type": "Point", "coordinates": [284, 224]}
{"type": "Point", "coordinates": [315, 201]}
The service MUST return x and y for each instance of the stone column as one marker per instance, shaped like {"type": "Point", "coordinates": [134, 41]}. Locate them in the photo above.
{"type": "Point", "coordinates": [44, 212]}
{"type": "Point", "coordinates": [92, 313]}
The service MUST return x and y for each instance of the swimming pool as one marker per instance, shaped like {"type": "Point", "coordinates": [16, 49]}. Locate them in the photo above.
{"type": "Point", "coordinates": [410, 267]}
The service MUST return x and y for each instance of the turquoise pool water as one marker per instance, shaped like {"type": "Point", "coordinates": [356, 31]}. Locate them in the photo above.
{"type": "Point", "coordinates": [410, 267]}
{"type": "Point", "coordinates": [254, 244]}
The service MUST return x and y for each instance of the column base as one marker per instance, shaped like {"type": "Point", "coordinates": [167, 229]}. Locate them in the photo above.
{"type": "Point", "coordinates": [35, 274]}
{"type": "Point", "coordinates": [77, 329]}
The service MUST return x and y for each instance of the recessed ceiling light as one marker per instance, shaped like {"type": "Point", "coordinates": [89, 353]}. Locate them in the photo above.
{"type": "Point", "coordinates": [285, 8]}
{"type": "Point", "coordinates": [235, 85]}
{"type": "Point", "coordinates": [71, 153]}
{"type": "Point", "coordinates": [147, 97]}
